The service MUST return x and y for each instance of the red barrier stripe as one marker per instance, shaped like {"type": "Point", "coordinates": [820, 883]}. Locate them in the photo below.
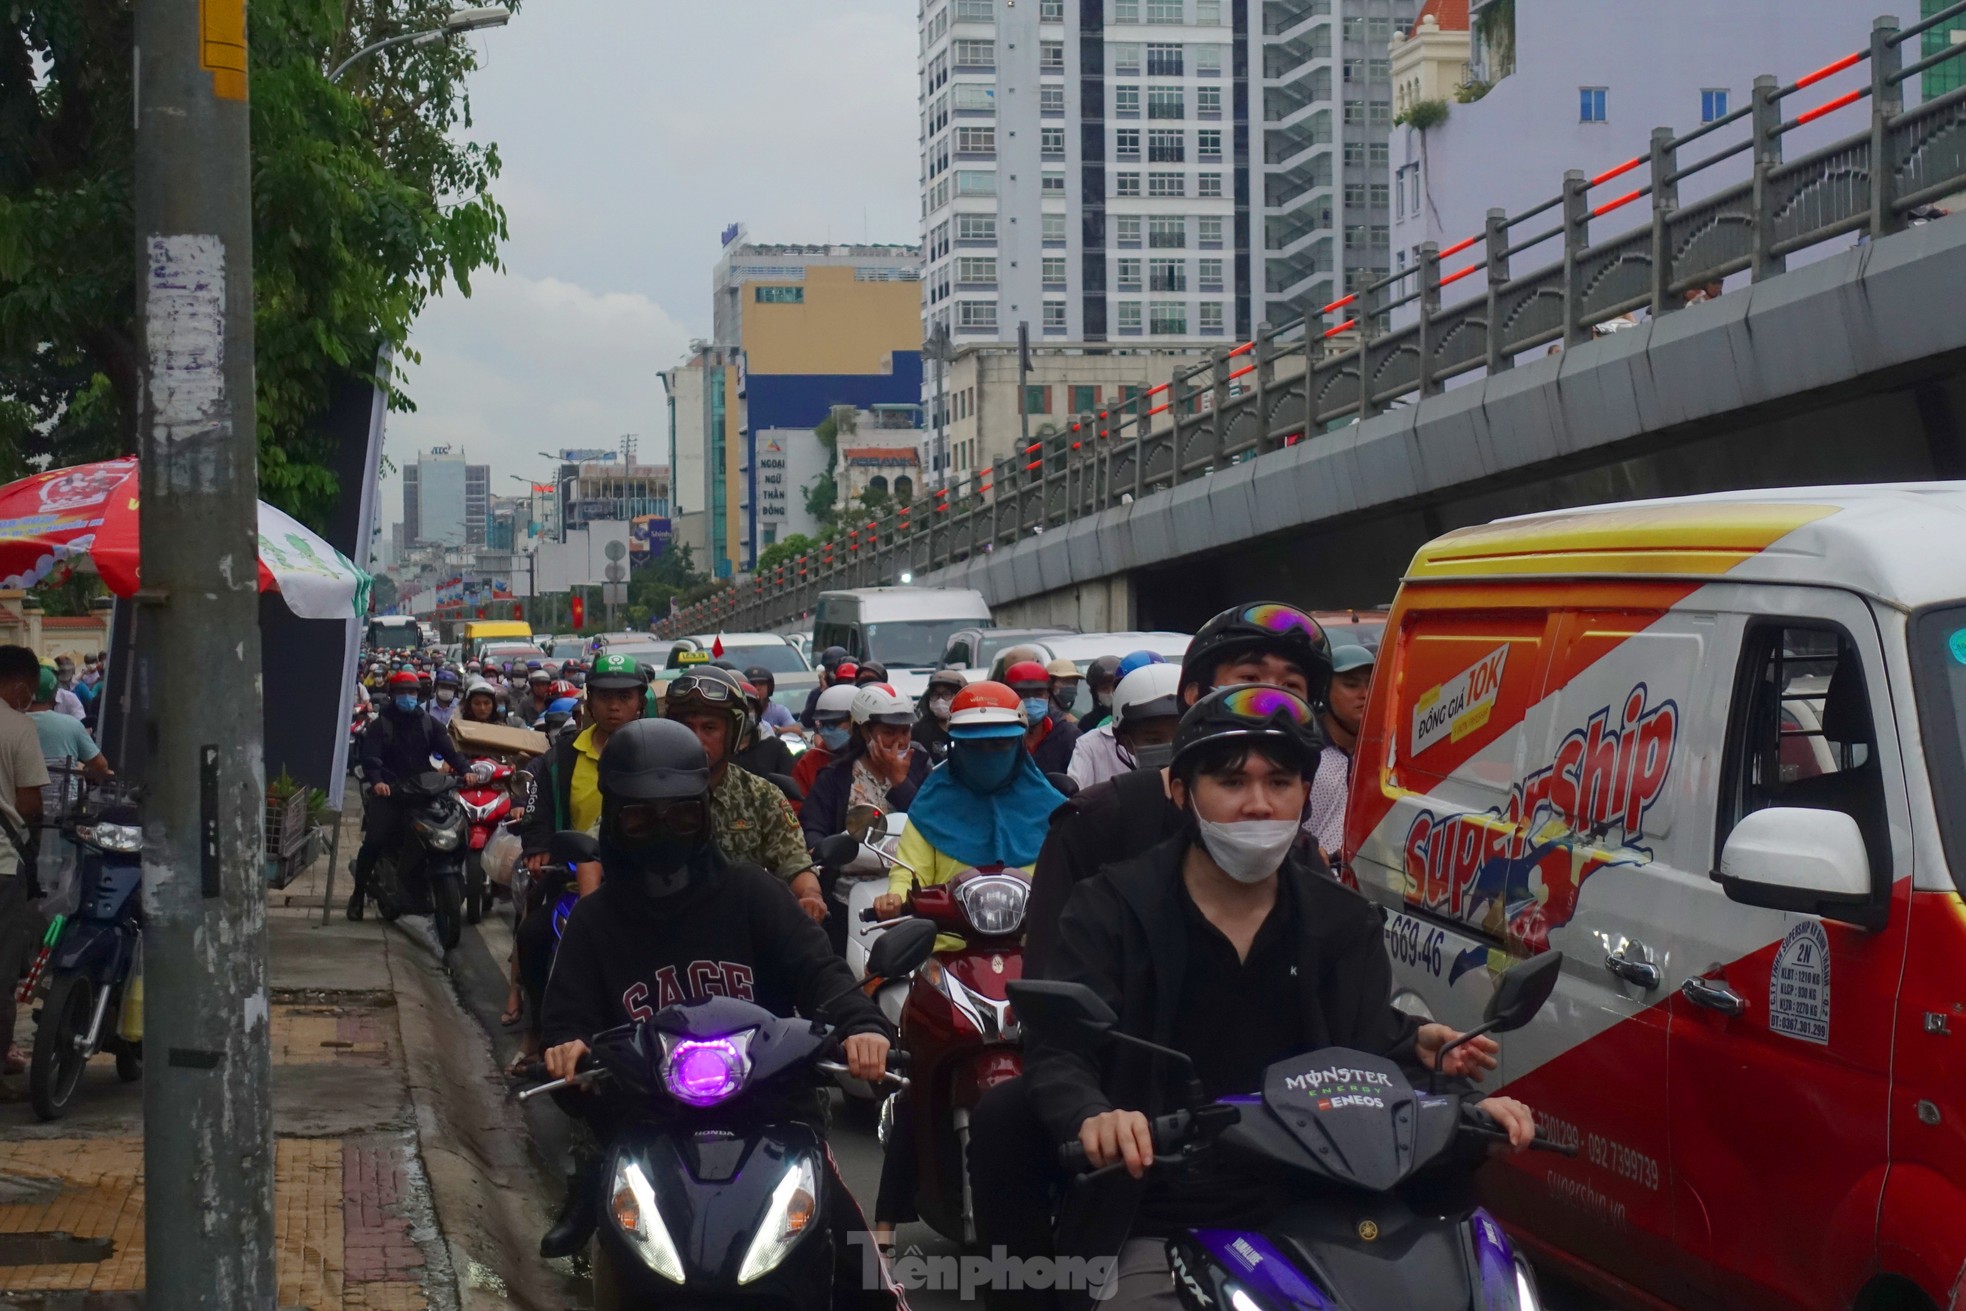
{"type": "Point", "coordinates": [1830, 70]}
{"type": "Point", "coordinates": [1619, 171]}
{"type": "Point", "coordinates": [1458, 247]}
{"type": "Point", "coordinates": [1247, 368]}
{"type": "Point", "coordinates": [1458, 274]}
{"type": "Point", "coordinates": [1610, 205]}
{"type": "Point", "coordinates": [1243, 349]}
{"type": "Point", "coordinates": [1166, 405]}
{"type": "Point", "coordinates": [1348, 323]}
{"type": "Point", "coordinates": [1339, 304]}
{"type": "Point", "coordinates": [1830, 106]}
{"type": "Point", "coordinates": [1032, 465]}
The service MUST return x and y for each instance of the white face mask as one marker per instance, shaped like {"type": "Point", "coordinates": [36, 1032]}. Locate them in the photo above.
{"type": "Point", "coordinates": [939, 707]}
{"type": "Point", "coordinates": [445, 695]}
{"type": "Point", "coordinates": [1249, 850]}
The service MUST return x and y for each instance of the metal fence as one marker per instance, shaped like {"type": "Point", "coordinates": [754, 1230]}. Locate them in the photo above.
{"type": "Point", "coordinates": [1293, 383]}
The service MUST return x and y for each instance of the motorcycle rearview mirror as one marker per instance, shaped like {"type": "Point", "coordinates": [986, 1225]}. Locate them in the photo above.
{"type": "Point", "coordinates": [573, 847]}
{"type": "Point", "coordinates": [901, 950]}
{"type": "Point", "coordinates": [835, 851]}
{"type": "Point", "coordinates": [1522, 991]}
{"type": "Point", "coordinates": [1065, 783]}
{"type": "Point", "coordinates": [1073, 1015]}
{"type": "Point", "coordinates": [866, 823]}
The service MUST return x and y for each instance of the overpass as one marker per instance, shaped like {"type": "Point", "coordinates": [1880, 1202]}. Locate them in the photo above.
{"type": "Point", "coordinates": [1308, 464]}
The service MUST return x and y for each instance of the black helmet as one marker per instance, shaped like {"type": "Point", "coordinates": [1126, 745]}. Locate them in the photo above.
{"type": "Point", "coordinates": [1264, 626]}
{"type": "Point", "coordinates": [653, 760]}
{"type": "Point", "coordinates": [871, 671]}
{"type": "Point", "coordinates": [1103, 672]}
{"type": "Point", "coordinates": [831, 657]}
{"type": "Point", "coordinates": [1252, 713]}
{"type": "Point", "coordinates": [760, 677]}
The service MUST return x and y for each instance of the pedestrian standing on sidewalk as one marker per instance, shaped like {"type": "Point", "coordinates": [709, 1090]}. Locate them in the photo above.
{"type": "Point", "coordinates": [22, 776]}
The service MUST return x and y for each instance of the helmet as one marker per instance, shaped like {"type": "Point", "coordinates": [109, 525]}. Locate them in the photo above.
{"type": "Point", "coordinates": [835, 702]}
{"type": "Point", "coordinates": [845, 671]}
{"type": "Point", "coordinates": [1014, 655]}
{"type": "Point", "coordinates": [471, 666]}
{"type": "Point", "coordinates": [831, 657]}
{"type": "Point", "coordinates": [879, 703]}
{"type": "Point", "coordinates": [870, 671]}
{"type": "Point", "coordinates": [987, 709]}
{"type": "Point", "coordinates": [404, 681]}
{"type": "Point", "coordinates": [1063, 668]}
{"type": "Point", "coordinates": [1138, 660]}
{"type": "Point", "coordinates": [1150, 692]}
{"type": "Point", "coordinates": [448, 678]}
{"type": "Point", "coordinates": [949, 678]}
{"type": "Point", "coordinates": [760, 677]}
{"type": "Point", "coordinates": [534, 674]}
{"type": "Point", "coordinates": [561, 690]}
{"type": "Point", "coordinates": [1103, 672]}
{"type": "Point", "coordinates": [1027, 673]}
{"type": "Point", "coordinates": [1252, 713]}
{"type": "Point", "coordinates": [1254, 629]}
{"type": "Point", "coordinates": [45, 689]}
{"type": "Point", "coordinates": [616, 672]}
{"type": "Point", "coordinates": [707, 687]}
{"type": "Point", "coordinates": [652, 760]}
{"type": "Point", "coordinates": [532, 664]}
{"type": "Point", "coordinates": [558, 713]}
{"type": "Point", "coordinates": [478, 685]}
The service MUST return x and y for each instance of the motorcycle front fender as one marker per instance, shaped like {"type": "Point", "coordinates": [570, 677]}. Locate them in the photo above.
{"type": "Point", "coordinates": [90, 948]}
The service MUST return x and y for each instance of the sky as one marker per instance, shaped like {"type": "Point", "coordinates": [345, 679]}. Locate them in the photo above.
{"type": "Point", "coordinates": [632, 132]}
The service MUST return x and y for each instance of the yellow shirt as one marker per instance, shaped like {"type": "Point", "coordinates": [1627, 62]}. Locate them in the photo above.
{"type": "Point", "coordinates": [931, 867]}
{"type": "Point", "coordinates": [584, 790]}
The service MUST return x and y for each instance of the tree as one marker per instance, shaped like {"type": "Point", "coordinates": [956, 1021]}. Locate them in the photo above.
{"type": "Point", "coordinates": [364, 205]}
{"type": "Point", "coordinates": [784, 551]}
{"type": "Point", "coordinates": [669, 576]}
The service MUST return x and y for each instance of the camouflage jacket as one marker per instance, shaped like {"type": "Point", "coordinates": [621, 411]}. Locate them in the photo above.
{"type": "Point", "coordinates": [753, 821]}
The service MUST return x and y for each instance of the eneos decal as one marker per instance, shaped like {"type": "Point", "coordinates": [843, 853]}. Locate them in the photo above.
{"type": "Point", "coordinates": [1517, 869]}
{"type": "Point", "coordinates": [1462, 704]}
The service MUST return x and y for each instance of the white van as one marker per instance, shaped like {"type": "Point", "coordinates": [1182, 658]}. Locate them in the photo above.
{"type": "Point", "coordinates": [1713, 750]}
{"type": "Point", "coordinates": [905, 628]}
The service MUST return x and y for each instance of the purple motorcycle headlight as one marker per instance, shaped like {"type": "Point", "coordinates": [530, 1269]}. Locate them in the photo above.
{"type": "Point", "coordinates": [705, 1071]}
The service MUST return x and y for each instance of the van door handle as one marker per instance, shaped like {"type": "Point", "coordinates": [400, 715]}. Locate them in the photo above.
{"type": "Point", "coordinates": [1640, 973]}
{"type": "Point", "coordinates": [1714, 994]}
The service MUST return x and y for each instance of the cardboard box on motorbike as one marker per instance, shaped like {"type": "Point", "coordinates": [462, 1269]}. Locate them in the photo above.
{"type": "Point", "coordinates": [1711, 750]}
{"type": "Point", "coordinates": [515, 745]}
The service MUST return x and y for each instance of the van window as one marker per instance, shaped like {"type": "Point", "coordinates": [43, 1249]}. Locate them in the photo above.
{"type": "Point", "coordinates": [1938, 667]}
{"type": "Point", "coordinates": [957, 654]}
{"type": "Point", "coordinates": [1800, 734]}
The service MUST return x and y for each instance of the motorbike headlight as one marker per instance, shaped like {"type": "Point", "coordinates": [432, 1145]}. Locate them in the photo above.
{"type": "Point", "coordinates": [705, 1071]}
{"type": "Point", "coordinates": [994, 904]}
{"type": "Point", "coordinates": [446, 837]}
{"type": "Point", "coordinates": [794, 1209]}
{"type": "Point", "coordinates": [112, 837]}
{"type": "Point", "coordinates": [640, 1222]}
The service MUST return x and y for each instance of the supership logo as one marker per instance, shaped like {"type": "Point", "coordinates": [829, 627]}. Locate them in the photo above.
{"type": "Point", "coordinates": [1516, 871]}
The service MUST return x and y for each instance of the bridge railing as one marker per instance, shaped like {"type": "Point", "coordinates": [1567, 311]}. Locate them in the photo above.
{"type": "Point", "coordinates": [1343, 362]}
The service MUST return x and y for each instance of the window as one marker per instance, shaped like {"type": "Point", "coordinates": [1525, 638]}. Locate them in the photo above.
{"type": "Point", "coordinates": [1208, 61]}
{"type": "Point", "coordinates": [1208, 102]}
{"type": "Point", "coordinates": [1164, 11]}
{"type": "Point", "coordinates": [1166, 102]}
{"type": "Point", "coordinates": [1126, 102]}
{"type": "Point", "coordinates": [1380, 195]}
{"type": "Point", "coordinates": [977, 269]}
{"type": "Point", "coordinates": [1713, 104]}
{"type": "Point", "coordinates": [1054, 316]}
{"type": "Point", "coordinates": [1211, 318]}
{"type": "Point", "coordinates": [1209, 275]}
{"type": "Point", "coordinates": [1126, 11]}
{"type": "Point", "coordinates": [1167, 318]}
{"type": "Point", "coordinates": [1208, 233]}
{"type": "Point", "coordinates": [1083, 400]}
{"type": "Point", "coordinates": [1052, 182]}
{"type": "Point", "coordinates": [1054, 227]}
{"type": "Point", "coordinates": [1165, 147]}
{"type": "Point", "coordinates": [976, 314]}
{"type": "Point", "coordinates": [1355, 112]}
{"type": "Point", "coordinates": [976, 141]}
{"type": "Point", "coordinates": [1167, 184]}
{"type": "Point", "coordinates": [1354, 195]}
{"type": "Point", "coordinates": [779, 295]}
{"type": "Point", "coordinates": [1167, 275]}
{"type": "Point", "coordinates": [1051, 11]}
{"type": "Point", "coordinates": [976, 54]}
{"type": "Point", "coordinates": [976, 227]}
{"type": "Point", "coordinates": [1126, 58]}
{"type": "Point", "coordinates": [1037, 400]}
{"type": "Point", "coordinates": [1126, 184]}
{"type": "Point", "coordinates": [1129, 316]}
{"type": "Point", "coordinates": [1127, 275]}
{"type": "Point", "coordinates": [1051, 56]}
{"type": "Point", "coordinates": [1126, 229]}
{"type": "Point", "coordinates": [1126, 143]}
{"type": "Point", "coordinates": [1590, 107]}
{"type": "Point", "coordinates": [972, 97]}
{"type": "Point", "coordinates": [1354, 154]}
{"type": "Point", "coordinates": [1208, 185]}
{"type": "Point", "coordinates": [1208, 13]}
{"type": "Point", "coordinates": [1381, 153]}
{"type": "Point", "coordinates": [1051, 142]}
{"type": "Point", "coordinates": [1054, 268]}
{"type": "Point", "coordinates": [975, 182]}
{"type": "Point", "coordinates": [976, 11]}
{"type": "Point", "coordinates": [1163, 59]}
{"type": "Point", "coordinates": [1208, 146]}
{"type": "Point", "coordinates": [1168, 231]}
{"type": "Point", "coordinates": [1051, 100]}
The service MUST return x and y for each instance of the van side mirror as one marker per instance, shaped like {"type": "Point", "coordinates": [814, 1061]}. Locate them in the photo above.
{"type": "Point", "coordinates": [1811, 862]}
{"type": "Point", "coordinates": [1522, 991]}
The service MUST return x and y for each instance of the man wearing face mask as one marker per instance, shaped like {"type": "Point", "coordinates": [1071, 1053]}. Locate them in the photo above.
{"type": "Point", "coordinates": [1102, 678]}
{"type": "Point", "coordinates": [1178, 941]}
{"type": "Point", "coordinates": [397, 745]}
{"type": "Point", "coordinates": [931, 731]}
{"type": "Point", "coordinates": [1141, 736]}
{"type": "Point", "coordinates": [443, 699]}
{"type": "Point", "coordinates": [676, 919]}
{"type": "Point", "coordinates": [1050, 737]}
{"type": "Point", "coordinates": [832, 729]}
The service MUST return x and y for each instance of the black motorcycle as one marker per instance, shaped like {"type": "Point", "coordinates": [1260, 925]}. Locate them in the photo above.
{"type": "Point", "coordinates": [717, 1184]}
{"type": "Point", "coordinates": [425, 875]}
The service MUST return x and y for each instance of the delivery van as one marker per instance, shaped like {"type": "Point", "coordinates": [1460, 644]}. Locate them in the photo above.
{"type": "Point", "coordinates": [480, 631]}
{"type": "Point", "coordinates": [905, 628]}
{"type": "Point", "coordinates": [1710, 749]}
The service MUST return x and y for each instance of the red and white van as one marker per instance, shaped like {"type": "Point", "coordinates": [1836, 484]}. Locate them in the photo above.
{"type": "Point", "coordinates": [1714, 751]}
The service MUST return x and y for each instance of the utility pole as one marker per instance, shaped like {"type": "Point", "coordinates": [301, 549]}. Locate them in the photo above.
{"type": "Point", "coordinates": [1024, 388]}
{"type": "Point", "coordinates": [207, 1105]}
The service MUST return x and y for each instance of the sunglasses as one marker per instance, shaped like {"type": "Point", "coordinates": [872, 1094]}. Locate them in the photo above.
{"type": "Point", "coordinates": [1254, 701]}
{"type": "Point", "coordinates": [638, 821]}
{"type": "Point", "coordinates": [1282, 619]}
{"type": "Point", "coordinates": [699, 685]}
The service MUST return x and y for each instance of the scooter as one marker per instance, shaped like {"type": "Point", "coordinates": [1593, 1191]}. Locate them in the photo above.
{"type": "Point", "coordinates": [425, 876]}
{"type": "Point", "coordinates": [1346, 1133]}
{"type": "Point", "coordinates": [858, 860]}
{"type": "Point", "coordinates": [487, 801]}
{"type": "Point", "coordinates": [92, 960]}
{"type": "Point", "coordinates": [716, 1189]}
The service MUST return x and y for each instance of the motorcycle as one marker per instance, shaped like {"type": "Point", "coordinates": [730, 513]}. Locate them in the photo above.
{"type": "Point", "coordinates": [425, 875]}
{"type": "Point", "coordinates": [358, 723]}
{"type": "Point", "coordinates": [1346, 1134]}
{"type": "Point", "coordinates": [487, 801]}
{"type": "Point", "coordinates": [715, 1189]}
{"type": "Point", "coordinates": [92, 960]}
{"type": "Point", "coordinates": [855, 864]}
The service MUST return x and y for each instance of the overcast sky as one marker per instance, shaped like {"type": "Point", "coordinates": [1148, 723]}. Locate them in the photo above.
{"type": "Point", "coordinates": [632, 132]}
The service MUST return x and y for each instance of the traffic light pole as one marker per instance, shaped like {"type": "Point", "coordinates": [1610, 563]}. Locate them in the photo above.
{"type": "Point", "coordinates": [207, 1108]}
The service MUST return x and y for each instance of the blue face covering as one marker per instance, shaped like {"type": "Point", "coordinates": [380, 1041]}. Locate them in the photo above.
{"type": "Point", "coordinates": [1036, 707]}
{"type": "Point", "coordinates": [967, 823]}
{"type": "Point", "coordinates": [406, 702]}
{"type": "Point", "coordinates": [982, 769]}
{"type": "Point", "coordinates": [834, 737]}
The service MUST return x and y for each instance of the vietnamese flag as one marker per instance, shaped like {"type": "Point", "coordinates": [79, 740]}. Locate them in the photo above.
{"type": "Point", "coordinates": [717, 647]}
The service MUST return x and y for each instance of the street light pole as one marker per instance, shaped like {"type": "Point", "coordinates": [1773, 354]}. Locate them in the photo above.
{"type": "Point", "coordinates": [207, 1104]}
{"type": "Point", "coordinates": [464, 20]}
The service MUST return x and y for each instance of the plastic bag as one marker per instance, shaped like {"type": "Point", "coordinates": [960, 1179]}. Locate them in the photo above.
{"type": "Point", "coordinates": [501, 854]}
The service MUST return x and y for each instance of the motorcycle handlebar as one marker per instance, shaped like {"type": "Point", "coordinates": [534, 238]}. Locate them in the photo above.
{"type": "Point", "coordinates": [1169, 1132]}
{"type": "Point", "coordinates": [1480, 1122]}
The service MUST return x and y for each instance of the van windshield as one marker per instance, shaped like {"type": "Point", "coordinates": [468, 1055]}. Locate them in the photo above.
{"type": "Point", "coordinates": [912, 643]}
{"type": "Point", "coordinates": [1938, 664]}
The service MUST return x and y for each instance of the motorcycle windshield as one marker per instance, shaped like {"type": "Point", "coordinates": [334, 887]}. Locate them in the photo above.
{"type": "Point", "coordinates": [1357, 1115]}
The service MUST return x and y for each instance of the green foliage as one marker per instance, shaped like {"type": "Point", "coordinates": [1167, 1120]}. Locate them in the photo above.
{"type": "Point", "coordinates": [69, 592]}
{"type": "Point", "coordinates": [1495, 30]}
{"type": "Point", "coordinates": [365, 203]}
{"type": "Point", "coordinates": [1472, 90]}
{"type": "Point", "coordinates": [784, 551]}
{"type": "Point", "coordinates": [1423, 114]}
{"type": "Point", "coordinates": [671, 575]}
{"type": "Point", "coordinates": [822, 500]}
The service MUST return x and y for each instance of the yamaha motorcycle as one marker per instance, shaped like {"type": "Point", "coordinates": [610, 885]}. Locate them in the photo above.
{"type": "Point", "coordinates": [1345, 1132]}
{"type": "Point", "coordinates": [425, 875]}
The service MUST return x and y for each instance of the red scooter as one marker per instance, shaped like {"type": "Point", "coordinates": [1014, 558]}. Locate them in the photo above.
{"type": "Point", "coordinates": [487, 804]}
{"type": "Point", "coordinates": [959, 1032]}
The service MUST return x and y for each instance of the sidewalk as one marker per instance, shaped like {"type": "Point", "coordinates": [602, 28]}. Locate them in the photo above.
{"type": "Point", "coordinates": [356, 1225]}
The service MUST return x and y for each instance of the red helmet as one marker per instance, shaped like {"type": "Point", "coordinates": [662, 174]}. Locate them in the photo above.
{"type": "Point", "coordinates": [559, 689]}
{"type": "Point", "coordinates": [403, 678]}
{"type": "Point", "coordinates": [1027, 673]}
{"type": "Point", "coordinates": [845, 672]}
{"type": "Point", "coordinates": [986, 709]}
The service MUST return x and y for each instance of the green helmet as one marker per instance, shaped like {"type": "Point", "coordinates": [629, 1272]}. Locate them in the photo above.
{"type": "Point", "coordinates": [613, 672]}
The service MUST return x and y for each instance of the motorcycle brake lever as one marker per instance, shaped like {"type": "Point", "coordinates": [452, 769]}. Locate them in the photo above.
{"type": "Point", "coordinates": [890, 1079]}
{"type": "Point", "coordinates": [580, 1080]}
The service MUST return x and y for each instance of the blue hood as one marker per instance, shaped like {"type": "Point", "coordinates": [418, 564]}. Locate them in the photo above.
{"type": "Point", "coordinates": [1005, 827]}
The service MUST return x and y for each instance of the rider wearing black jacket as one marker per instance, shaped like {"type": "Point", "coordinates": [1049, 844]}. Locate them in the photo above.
{"type": "Point", "coordinates": [396, 746]}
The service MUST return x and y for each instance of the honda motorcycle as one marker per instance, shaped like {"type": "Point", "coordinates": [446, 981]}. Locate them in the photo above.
{"type": "Point", "coordinates": [1346, 1134]}
{"type": "Point", "coordinates": [487, 800]}
{"type": "Point", "coordinates": [425, 875]}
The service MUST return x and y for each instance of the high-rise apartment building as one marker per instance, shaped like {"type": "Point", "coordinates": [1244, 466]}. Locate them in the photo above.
{"type": "Point", "coordinates": [445, 500]}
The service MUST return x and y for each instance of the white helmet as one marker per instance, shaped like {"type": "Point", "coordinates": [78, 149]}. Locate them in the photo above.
{"type": "Point", "coordinates": [1149, 692]}
{"type": "Point", "coordinates": [477, 685]}
{"type": "Point", "coordinates": [880, 703]}
{"type": "Point", "coordinates": [836, 700]}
